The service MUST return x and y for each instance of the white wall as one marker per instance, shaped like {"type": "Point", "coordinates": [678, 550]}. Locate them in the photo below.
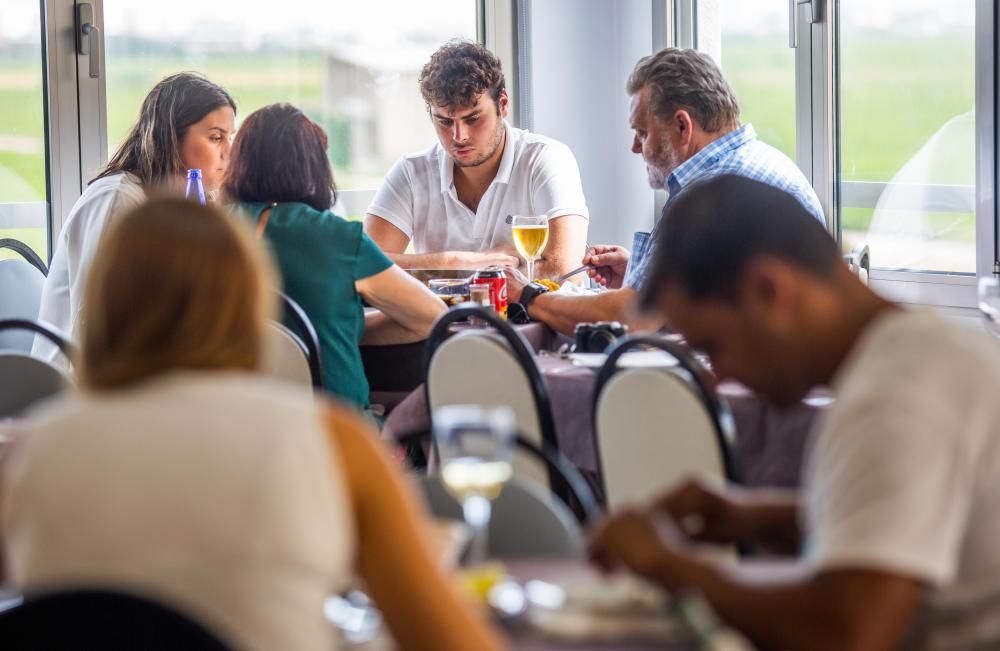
{"type": "Point", "coordinates": [579, 55]}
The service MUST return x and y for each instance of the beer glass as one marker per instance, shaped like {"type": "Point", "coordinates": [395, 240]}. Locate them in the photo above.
{"type": "Point", "coordinates": [531, 234]}
{"type": "Point", "coordinates": [475, 446]}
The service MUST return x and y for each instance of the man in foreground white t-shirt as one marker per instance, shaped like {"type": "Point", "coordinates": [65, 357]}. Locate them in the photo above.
{"type": "Point", "coordinates": [452, 200]}
{"type": "Point", "coordinates": [896, 528]}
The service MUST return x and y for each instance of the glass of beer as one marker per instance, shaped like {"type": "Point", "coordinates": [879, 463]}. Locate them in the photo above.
{"type": "Point", "coordinates": [531, 234]}
{"type": "Point", "coordinates": [475, 445]}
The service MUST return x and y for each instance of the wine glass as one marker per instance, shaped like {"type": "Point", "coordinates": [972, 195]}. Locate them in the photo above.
{"type": "Point", "coordinates": [989, 303]}
{"type": "Point", "coordinates": [475, 446]}
{"type": "Point", "coordinates": [531, 234]}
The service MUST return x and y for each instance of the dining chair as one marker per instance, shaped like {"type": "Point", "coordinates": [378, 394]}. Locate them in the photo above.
{"type": "Point", "coordinates": [292, 348]}
{"type": "Point", "coordinates": [655, 426]}
{"type": "Point", "coordinates": [25, 380]}
{"type": "Point", "coordinates": [522, 506]}
{"type": "Point", "coordinates": [85, 619]}
{"type": "Point", "coordinates": [25, 252]}
{"type": "Point", "coordinates": [491, 366]}
{"type": "Point", "coordinates": [575, 494]}
{"type": "Point", "coordinates": [21, 282]}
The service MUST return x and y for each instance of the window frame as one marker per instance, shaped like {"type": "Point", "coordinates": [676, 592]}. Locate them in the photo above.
{"type": "Point", "coordinates": [77, 104]}
{"type": "Point", "coordinates": [817, 144]}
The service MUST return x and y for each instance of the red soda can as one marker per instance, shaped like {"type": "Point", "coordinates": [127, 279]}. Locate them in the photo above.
{"type": "Point", "coordinates": [495, 278]}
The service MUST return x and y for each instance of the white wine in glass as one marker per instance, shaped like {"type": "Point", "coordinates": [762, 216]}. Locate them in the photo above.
{"type": "Point", "coordinates": [531, 234]}
{"type": "Point", "coordinates": [475, 446]}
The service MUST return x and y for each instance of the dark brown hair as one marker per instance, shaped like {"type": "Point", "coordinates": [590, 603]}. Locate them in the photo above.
{"type": "Point", "coordinates": [458, 73]}
{"type": "Point", "coordinates": [152, 148]}
{"type": "Point", "coordinates": [178, 285]}
{"type": "Point", "coordinates": [689, 80]}
{"type": "Point", "coordinates": [280, 155]}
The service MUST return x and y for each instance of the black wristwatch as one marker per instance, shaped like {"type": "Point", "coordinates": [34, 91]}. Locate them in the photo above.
{"type": "Point", "coordinates": [530, 291]}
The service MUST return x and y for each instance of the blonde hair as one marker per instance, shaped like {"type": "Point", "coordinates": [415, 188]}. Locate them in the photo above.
{"type": "Point", "coordinates": [176, 285]}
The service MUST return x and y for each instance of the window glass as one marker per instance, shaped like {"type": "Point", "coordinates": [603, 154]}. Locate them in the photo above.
{"type": "Point", "coordinates": [758, 63]}
{"type": "Point", "coordinates": [351, 66]}
{"type": "Point", "coordinates": [906, 77]}
{"type": "Point", "coordinates": [23, 195]}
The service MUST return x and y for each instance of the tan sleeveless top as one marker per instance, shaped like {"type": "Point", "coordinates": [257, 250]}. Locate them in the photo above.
{"type": "Point", "coordinates": [217, 492]}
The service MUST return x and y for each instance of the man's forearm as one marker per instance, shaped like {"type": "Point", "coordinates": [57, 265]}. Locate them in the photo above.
{"type": "Point", "coordinates": [786, 606]}
{"type": "Point", "coordinates": [771, 519]}
{"type": "Point", "coordinates": [437, 260]}
{"type": "Point", "coordinates": [563, 311]}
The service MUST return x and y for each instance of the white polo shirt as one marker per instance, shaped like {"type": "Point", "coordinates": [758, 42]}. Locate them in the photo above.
{"type": "Point", "coordinates": [537, 176]}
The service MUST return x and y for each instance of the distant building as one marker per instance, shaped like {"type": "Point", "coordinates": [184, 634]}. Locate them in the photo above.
{"type": "Point", "coordinates": [376, 93]}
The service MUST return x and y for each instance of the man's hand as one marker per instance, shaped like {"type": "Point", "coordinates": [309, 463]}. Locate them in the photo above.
{"type": "Point", "coordinates": [515, 283]}
{"type": "Point", "coordinates": [609, 262]}
{"type": "Point", "coordinates": [705, 512]}
{"type": "Point", "coordinates": [638, 541]}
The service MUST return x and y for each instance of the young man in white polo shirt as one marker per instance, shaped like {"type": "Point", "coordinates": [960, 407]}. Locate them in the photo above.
{"type": "Point", "coordinates": [451, 201]}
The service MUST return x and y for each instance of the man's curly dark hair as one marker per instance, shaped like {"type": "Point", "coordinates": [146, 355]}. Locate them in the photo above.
{"type": "Point", "coordinates": [458, 73]}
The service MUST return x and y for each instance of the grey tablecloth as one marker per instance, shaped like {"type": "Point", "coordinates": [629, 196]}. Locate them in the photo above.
{"type": "Point", "coordinates": [770, 442]}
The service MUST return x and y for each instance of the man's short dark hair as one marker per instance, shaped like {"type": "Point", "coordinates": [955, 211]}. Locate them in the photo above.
{"type": "Point", "coordinates": [458, 73]}
{"type": "Point", "coordinates": [715, 227]}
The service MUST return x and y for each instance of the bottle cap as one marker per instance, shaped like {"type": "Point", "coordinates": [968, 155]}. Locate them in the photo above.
{"type": "Point", "coordinates": [194, 174]}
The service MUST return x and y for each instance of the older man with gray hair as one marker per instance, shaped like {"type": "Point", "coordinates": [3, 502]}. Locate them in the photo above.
{"type": "Point", "coordinates": [687, 128]}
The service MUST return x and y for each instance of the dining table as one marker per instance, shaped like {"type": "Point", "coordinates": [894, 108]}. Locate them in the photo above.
{"type": "Point", "coordinates": [770, 444]}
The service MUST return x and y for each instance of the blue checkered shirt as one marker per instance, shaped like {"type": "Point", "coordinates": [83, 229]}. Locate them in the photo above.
{"type": "Point", "coordinates": [740, 153]}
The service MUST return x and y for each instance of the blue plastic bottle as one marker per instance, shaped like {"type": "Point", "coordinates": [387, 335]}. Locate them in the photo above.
{"type": "Point", "coordinates": [195, 190]}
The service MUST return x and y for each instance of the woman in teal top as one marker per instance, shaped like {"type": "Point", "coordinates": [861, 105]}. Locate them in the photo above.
{"type": "Point", "coordinates": [280, 175]}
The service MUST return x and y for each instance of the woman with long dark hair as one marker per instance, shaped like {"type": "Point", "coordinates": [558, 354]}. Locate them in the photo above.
{"type": "Point", "coordinates": [186, 122]}
{"type": "Point", "coordinates": [281, 178]}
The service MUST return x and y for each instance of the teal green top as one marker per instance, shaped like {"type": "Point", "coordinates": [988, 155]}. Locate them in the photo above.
{"type": "Point", "coordinates": [320, 256]}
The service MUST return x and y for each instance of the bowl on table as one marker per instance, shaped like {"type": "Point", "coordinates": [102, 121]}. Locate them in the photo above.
{"type": "Point", "coordinates": [426, 275]}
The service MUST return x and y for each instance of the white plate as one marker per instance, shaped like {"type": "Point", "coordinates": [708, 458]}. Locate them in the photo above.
{"type": "Point", "coordinates": [633, 359]}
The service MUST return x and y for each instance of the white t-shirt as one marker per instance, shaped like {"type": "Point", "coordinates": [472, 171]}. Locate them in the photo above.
{"type": "Point", "coordinates": [537, 176]}
{"type": "Point", "coordinates": [219, 493]}
{"type": "Point", "coordinates": [62, 294]}
{"type": "Point", "coordinates": [904, 474]}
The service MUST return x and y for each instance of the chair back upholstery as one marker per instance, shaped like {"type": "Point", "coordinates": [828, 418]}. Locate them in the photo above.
{"type": "Point", "coordinates": [285, 345]}
{"type": "Point", "coordinates": [522, 506]}
{"type": "Point", "coordinates": [655, 426]}
{"type": "Point", "coordinates": [25, 252]}
{"type": "Point", "coordinates": [286, 357]}
{"type": "Point", "coordinates": [573, 492]}
{"type": "Point", "coordinates": [99, 619]}
{"type": "Point", "coordinates": [20, 298]}
{"type": "Point", "coordinates": [25, 380]}
{"type": "Point", "coordinates": [490, 368]}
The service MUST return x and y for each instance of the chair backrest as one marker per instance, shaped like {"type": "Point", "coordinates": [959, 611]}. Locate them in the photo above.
{"type": "Point", "coordinates": [286, 356]}
{"type": "Point", "coordinates": [25, 252]}
{"type": "Point", "coordinates": [574, 493]}
{"type": "Point", "coordinates": [490, 368]}
{"type": "Point", "coordinates": [522, 506]}
{"type": "Point", "coordinates": [654, 426]}
{"type": "Point", "coordinates": [20, 298]}
{"type": "Point", "coordinates": [25, 380]}
{"type": "Point", "coordinates": [99, 619]}
{"type": "Point", "coordinates": [304, 340]}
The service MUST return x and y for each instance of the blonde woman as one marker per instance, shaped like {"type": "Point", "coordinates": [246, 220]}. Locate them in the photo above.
{"type": "Point", "coordinates": [180, 473]}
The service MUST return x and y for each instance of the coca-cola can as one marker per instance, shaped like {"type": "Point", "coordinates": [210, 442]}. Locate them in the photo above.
{"type": "Point", "coordinates": [495, 278]}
